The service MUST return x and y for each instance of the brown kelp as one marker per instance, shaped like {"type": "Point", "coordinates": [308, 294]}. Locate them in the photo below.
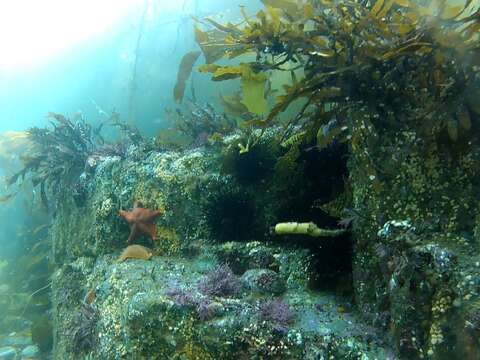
{"type": "Point", "coordinates": [57, 155]}
{"type": "Point", "coordinates": [355, 68]}
{"type": "Point", "coordinates": [184, 71]}
{"type": "Point", "coordinates": [194, 125]}
{"type": "Point", "coordinates": [128, 133]}
{"type": "Point", "coordinates": [12, 144]}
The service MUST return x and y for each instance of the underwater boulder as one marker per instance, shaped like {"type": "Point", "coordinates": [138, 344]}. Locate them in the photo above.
{"type": "Point", "coordinates": [30, 352]}
{"type": "Point", "coordinates": [8, 353]}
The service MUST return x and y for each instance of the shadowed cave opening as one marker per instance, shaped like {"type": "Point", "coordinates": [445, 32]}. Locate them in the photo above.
{"type": "Point", "coordinates": [237, 212]}
{"type": "Point", "coordinates": [324, 174]}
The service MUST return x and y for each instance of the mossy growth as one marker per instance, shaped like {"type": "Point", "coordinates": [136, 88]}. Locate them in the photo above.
{"type": "Point", "coordinates": [168, 241]}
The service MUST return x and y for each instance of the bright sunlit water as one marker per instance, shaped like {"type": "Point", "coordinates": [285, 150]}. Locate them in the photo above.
{"type": "Point", "coordinates": [34, 32]}
{"type": "Point", "coordinates": [69, 56]}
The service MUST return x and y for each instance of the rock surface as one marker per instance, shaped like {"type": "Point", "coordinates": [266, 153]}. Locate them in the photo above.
{"type": "Point", "coordinates": [30, 352]}
{"type": "Point", "coordinates": [154, 309]}
{"type": "Point", "coordinates": [158, 308]}
{"type": "Point", "coordinates": [8, 353]}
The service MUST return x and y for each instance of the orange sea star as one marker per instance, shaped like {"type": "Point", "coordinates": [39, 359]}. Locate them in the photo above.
{"type": "Point", "coordinates": [141, 221]}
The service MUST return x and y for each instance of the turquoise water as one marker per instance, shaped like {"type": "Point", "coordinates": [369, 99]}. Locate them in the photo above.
{"type": "Point", "coordinates": [127, 63]}
{"type": "Point", "coordinates": [265, 179]}
{"type": "Point", "coordinates": [97, 70]}
{"type": "Point", "coordinates": [84, 59]}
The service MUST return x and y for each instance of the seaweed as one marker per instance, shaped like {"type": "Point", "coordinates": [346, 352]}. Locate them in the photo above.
{"type": "Point", "coordinates": [365, 67]}
{"type": "Point", "coordinates": [253, 84]}
{"type": "Point", "coordinates": [57, 155]}
{"type": "Point", "coordinates": [220, 281]}
{"type": "Point", "coordinates": [194, 125]}
{"type": "Point", "coordinates": [83, 331]}
{"type": "Point", "coordinates": [129, 133]}
{"type": "Point", "coordinates": [184, 72]}
{"type": "Point", "coordinates": [277, 313]}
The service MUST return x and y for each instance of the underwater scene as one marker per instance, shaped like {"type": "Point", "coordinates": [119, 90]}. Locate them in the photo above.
{"type": "Point", "coordinates": [241, 179]}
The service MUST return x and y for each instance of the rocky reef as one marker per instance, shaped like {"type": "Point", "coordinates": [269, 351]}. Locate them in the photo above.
{"type": "Point", "coordinates": [197, 297]}
{"type": "Point", "coordinates": [344, 228]}
{"type": "Point", "coordinates": [402, 281]}
{"type": "Point", "coordinates": [416, 261]}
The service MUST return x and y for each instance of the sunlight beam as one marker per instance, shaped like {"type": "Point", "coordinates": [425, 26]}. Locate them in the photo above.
{"type": "Point", "coordinates": [32, 32]}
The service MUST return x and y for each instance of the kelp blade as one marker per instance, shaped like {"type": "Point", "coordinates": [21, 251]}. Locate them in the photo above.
{"type": "Point", "coordinates": [184, 72]}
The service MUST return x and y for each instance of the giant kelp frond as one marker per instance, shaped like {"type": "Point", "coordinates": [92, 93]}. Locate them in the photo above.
{"type": "Point", "coordinates": [57, 155]}
{"type": "Point", "coordinates": [364, 65]}
{"type": "Point", "coordinates": [184, 71]}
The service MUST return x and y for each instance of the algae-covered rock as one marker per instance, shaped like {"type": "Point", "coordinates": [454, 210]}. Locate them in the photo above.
{"type": "Point", "coordinates": [187, 301]}
{"type": "Point", "coordinates": [263, 281]}
{"type": "Point", "coordinates": [415, 243]}
{"type": "Point", "coordinates": [154, 309]}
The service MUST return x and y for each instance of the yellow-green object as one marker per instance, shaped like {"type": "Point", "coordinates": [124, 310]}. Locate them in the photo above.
{"type": "Point", "coordinates": [253, 89]}
{"type": "Point", "coordinates": [308, 228]}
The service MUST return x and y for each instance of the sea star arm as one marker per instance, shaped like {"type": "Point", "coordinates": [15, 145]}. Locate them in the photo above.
{"type": "Point", "coordinates": [134, 230]}
{"type": "Point", "coordinates": [149, 229]}
{"type": "Point", "coordinates": [150, 217]}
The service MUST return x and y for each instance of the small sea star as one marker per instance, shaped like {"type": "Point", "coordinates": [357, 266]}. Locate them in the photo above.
{"type": "Point", "coordinates": [141, 221]}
